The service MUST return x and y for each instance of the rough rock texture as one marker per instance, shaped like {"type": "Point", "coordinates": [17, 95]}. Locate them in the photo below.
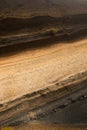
{"type": "Point", "coordinates": [36, 69]}
{"type": "Point", "coordinates": [42, 7]}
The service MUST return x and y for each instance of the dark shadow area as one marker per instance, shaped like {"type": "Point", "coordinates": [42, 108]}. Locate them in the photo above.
{"type": "Point", "coordinates": [9, 25]}
{"type": "Point", "coordinates": [72, 109]}
{"type": "Point", "coordinates": [65, 38]}
{"type": "Point", "coordinates": [17, 25]}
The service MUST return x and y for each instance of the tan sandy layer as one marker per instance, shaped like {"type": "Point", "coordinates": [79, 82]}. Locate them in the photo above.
{"type": "Point", "coordinates": [43, 126]}
{"type": "Point", "coordinates": [32, 70]}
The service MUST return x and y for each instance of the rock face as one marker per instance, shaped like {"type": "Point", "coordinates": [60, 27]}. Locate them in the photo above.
{"type": "Point", "coordinates": [42, 7]}
{"type": "Point", "coordinates": [42, 56]}
{"type": "Point", "coordinates": [32, 70]}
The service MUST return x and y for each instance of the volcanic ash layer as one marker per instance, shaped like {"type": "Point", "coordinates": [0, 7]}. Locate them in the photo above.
{"type": "Point", "coordinates": [37, 68]}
